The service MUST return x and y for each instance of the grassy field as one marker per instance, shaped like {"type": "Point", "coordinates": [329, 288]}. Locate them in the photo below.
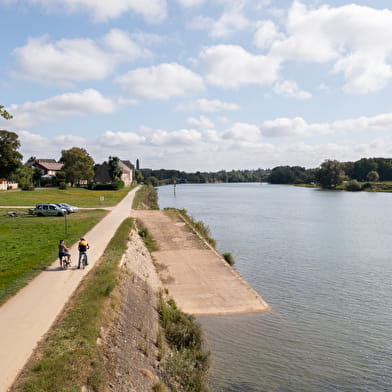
{"type": "Point", "coordinates": [79, 197]}
{"type": "Point", "coordinates": [71, 357]}
{"type": "Point", "coordinates": [29, 244]}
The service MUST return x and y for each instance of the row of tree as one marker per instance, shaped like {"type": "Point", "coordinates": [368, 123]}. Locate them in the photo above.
{"type": "Point", "coordinates": [332, 173]}
{"type": "Point", "coordinates": [163, 176]}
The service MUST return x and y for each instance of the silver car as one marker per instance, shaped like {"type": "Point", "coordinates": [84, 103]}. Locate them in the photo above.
{"type": "Point", "coordinates": [49, 209]}
{"type": "Point", "coordinates": [68, 207]}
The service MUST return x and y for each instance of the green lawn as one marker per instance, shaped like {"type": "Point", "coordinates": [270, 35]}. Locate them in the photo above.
{"type": "Point", "coordinates": [29, 244]}
{"type": "Point", "coordinates": [79, 197]}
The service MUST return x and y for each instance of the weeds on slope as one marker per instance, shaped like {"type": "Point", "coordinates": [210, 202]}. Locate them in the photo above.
{"type": "Point", "coordinates": [195, 226]}
{"type": "Point", "coordinates": [186, 368]}
{"type": "Point", "coordinates": [70, 357]}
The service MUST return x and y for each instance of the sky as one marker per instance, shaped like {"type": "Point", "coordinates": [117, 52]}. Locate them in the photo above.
{"type": "Point", "coordinates": [197, 84]}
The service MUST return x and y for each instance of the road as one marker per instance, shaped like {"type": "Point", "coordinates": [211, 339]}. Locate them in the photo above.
{"type": "Point", "coordinates": [26, 317]}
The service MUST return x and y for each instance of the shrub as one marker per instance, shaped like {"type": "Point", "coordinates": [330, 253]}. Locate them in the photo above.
{"type": "Point", "coordinates": [27, 187]}
{"type": "Point", "coordinates": [353, 186]}
{"type": "Point", "coordinates": [105, 187]}
{"type": "Point", "coordinates": [159, 387]}
{"type": "Point", "coordinates": [229, 258]}
{"type": "Point", "coordinates": [188, 365]}
{"type": "Point", "coordinates": [373, 176]}
{"type": "Point", "coordinates": [367, 185]}
{"type": "Point", "coordinates": [62, 185]}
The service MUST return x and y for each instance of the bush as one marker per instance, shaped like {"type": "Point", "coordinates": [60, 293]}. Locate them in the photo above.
{"type": "Point", "coordinates": [367, 185]}
{"type": "Point", "coordinates": [27, 187]}
{"type": "Point", "coordinates": [62, 185]}
{"type": "Point", "coordinates": [114, 186]}
{"type": "Point", "coordinates": [187, 367]}
{"type": "Point", "coordinates": [229, 258]}
{"type": "Point", "coordinates": [353, 186]}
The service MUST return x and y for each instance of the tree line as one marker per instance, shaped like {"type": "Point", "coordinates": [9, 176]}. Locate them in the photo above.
{"type": "Point", "coordinates": [164, 176]}
{"type": "Point", "coordinates": [330, 174]}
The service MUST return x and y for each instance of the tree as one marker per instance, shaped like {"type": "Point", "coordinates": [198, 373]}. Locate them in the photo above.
{"type": "Point", "coordinates": [24, 177]}
{"type": "Point", "coordinates": [115, 169]}
{"type": "Point", "coordinates": [330, 174]}
{"type": "Point", "coordinates": [372, 176]}
{"type": "Point", "coordinates": [4, 113]}
{"type": "Point", "coordinates": [139, 176]}
{"type": "Point", "coordinates": [363, 167]}
{"type": "Point", "coordinates": [78, 165]}
{"type": "Point", "coordinates": [281, 175]}
{"type": "Point", "coordinates": [10, 157]}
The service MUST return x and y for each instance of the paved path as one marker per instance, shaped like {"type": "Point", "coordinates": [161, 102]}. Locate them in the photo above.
{"type": "Point", "coordinates": [198, 278]}
{"type": "Point", "coordinates": [27, 316]}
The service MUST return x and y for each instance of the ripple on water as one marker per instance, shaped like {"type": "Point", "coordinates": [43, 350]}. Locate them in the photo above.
{"type": "Point", "coordinates": [321, 260]}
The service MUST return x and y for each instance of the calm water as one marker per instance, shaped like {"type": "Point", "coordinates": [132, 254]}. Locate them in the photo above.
{"type": "Point", "coordinates": [323, 261]}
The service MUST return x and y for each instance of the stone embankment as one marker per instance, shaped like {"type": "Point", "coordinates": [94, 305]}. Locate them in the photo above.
{"type": "Point", "coordinates": [130, 343]}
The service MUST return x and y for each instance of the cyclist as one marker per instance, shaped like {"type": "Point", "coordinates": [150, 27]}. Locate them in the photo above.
{"type": "Point", "coordinates": [64, 252]}
{"type": "Point", "coordinates": [83, 246]}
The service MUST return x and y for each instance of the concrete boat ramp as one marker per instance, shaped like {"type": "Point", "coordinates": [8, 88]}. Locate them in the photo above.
{"type": "Point", "coordinates": [198, 278]}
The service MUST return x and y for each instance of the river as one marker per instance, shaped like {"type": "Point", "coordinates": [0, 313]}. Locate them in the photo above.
{"type": "Point", "coordinates": [322, 261]}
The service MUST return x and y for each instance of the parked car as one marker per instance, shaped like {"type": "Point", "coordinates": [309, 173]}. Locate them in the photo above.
{"type": "Point", "coordinates": [68, 207]}
{"type": "Point", "coordinates": [49, 209]}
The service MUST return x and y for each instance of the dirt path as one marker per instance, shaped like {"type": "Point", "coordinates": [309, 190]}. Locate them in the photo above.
{"type": "Point", "coordinates": [199, 280]}
{"type": "Point", "coordinates": [27, 316]}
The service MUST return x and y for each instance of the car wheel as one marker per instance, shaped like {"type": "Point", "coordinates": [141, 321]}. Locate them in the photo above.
{"type": "Point", "coordinates": [60, 214]}
{"type": "Point", "coordinates": [40, 214]}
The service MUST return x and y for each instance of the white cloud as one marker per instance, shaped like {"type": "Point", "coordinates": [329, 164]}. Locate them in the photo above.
{"type": "Point", "coordinates": [364, 74]}
{"type": "Point", "coordinates": [231, 66]}
{"type": "Point", "coordinates": [87, 101]}
{"type": "Point", "coordinates": [121, 43]}
{"type": "Point", "coordinates": [213, 150]}
{"type": "Point", "coordinates": [190, 3]}
{"type": "Point", "coordinates": [163, 81]}
{"type": "Point", "coordinates": [266, 34]}
{"type": "Point", "coordinates": [207, 105]}
{"type": "Point", "coordinates": [64, 60]}
{"type": "Point", "coordinates": [290, 89]}
{"type": "Point", "coordinates": [230, 22]}
{"type": "Point", "coordinates": [243, 132]}
{"type": "Point", "coordinates": [101, 11]}
{"type": "Point", "coordinates": [356, 39]}
{"type": "Point", "coordinates": [182, 137]}
{"type": "Point", "coordinates": [201, 123]}
{"type": "Point", "coordinates": [74, 60]}
{"type": "Point", "coordinates": [114, 139]}
{"type": "Point", "coordinates": [298, 127]}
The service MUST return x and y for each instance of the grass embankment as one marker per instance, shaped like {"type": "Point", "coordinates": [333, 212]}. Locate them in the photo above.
{"type": "Point", "coordinates": [29, 244]}
{"type": "Point", "coordinates": [186, 367]}
{"type": "Point", "coordinates": [79, 197]}
{"type": "Point", "coordinates": [146, 198]}
{"type": "Point", "coordinates": [70, 357]}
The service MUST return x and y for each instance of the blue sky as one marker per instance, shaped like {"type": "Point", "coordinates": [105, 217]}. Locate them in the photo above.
{"type": "Point", "coordinates": [199, 85]}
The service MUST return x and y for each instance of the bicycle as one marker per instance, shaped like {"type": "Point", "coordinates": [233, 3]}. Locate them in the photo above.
{"type": "Point", "coordinates": [83, 260]}
{"type": "Point", "coordinates": [65, 262]}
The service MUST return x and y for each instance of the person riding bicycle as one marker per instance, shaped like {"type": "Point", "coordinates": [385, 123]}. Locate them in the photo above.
{"type": "Point", "coordinates": [64, 252]}
{"type": "Point", "coordinates": [83, 246]}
